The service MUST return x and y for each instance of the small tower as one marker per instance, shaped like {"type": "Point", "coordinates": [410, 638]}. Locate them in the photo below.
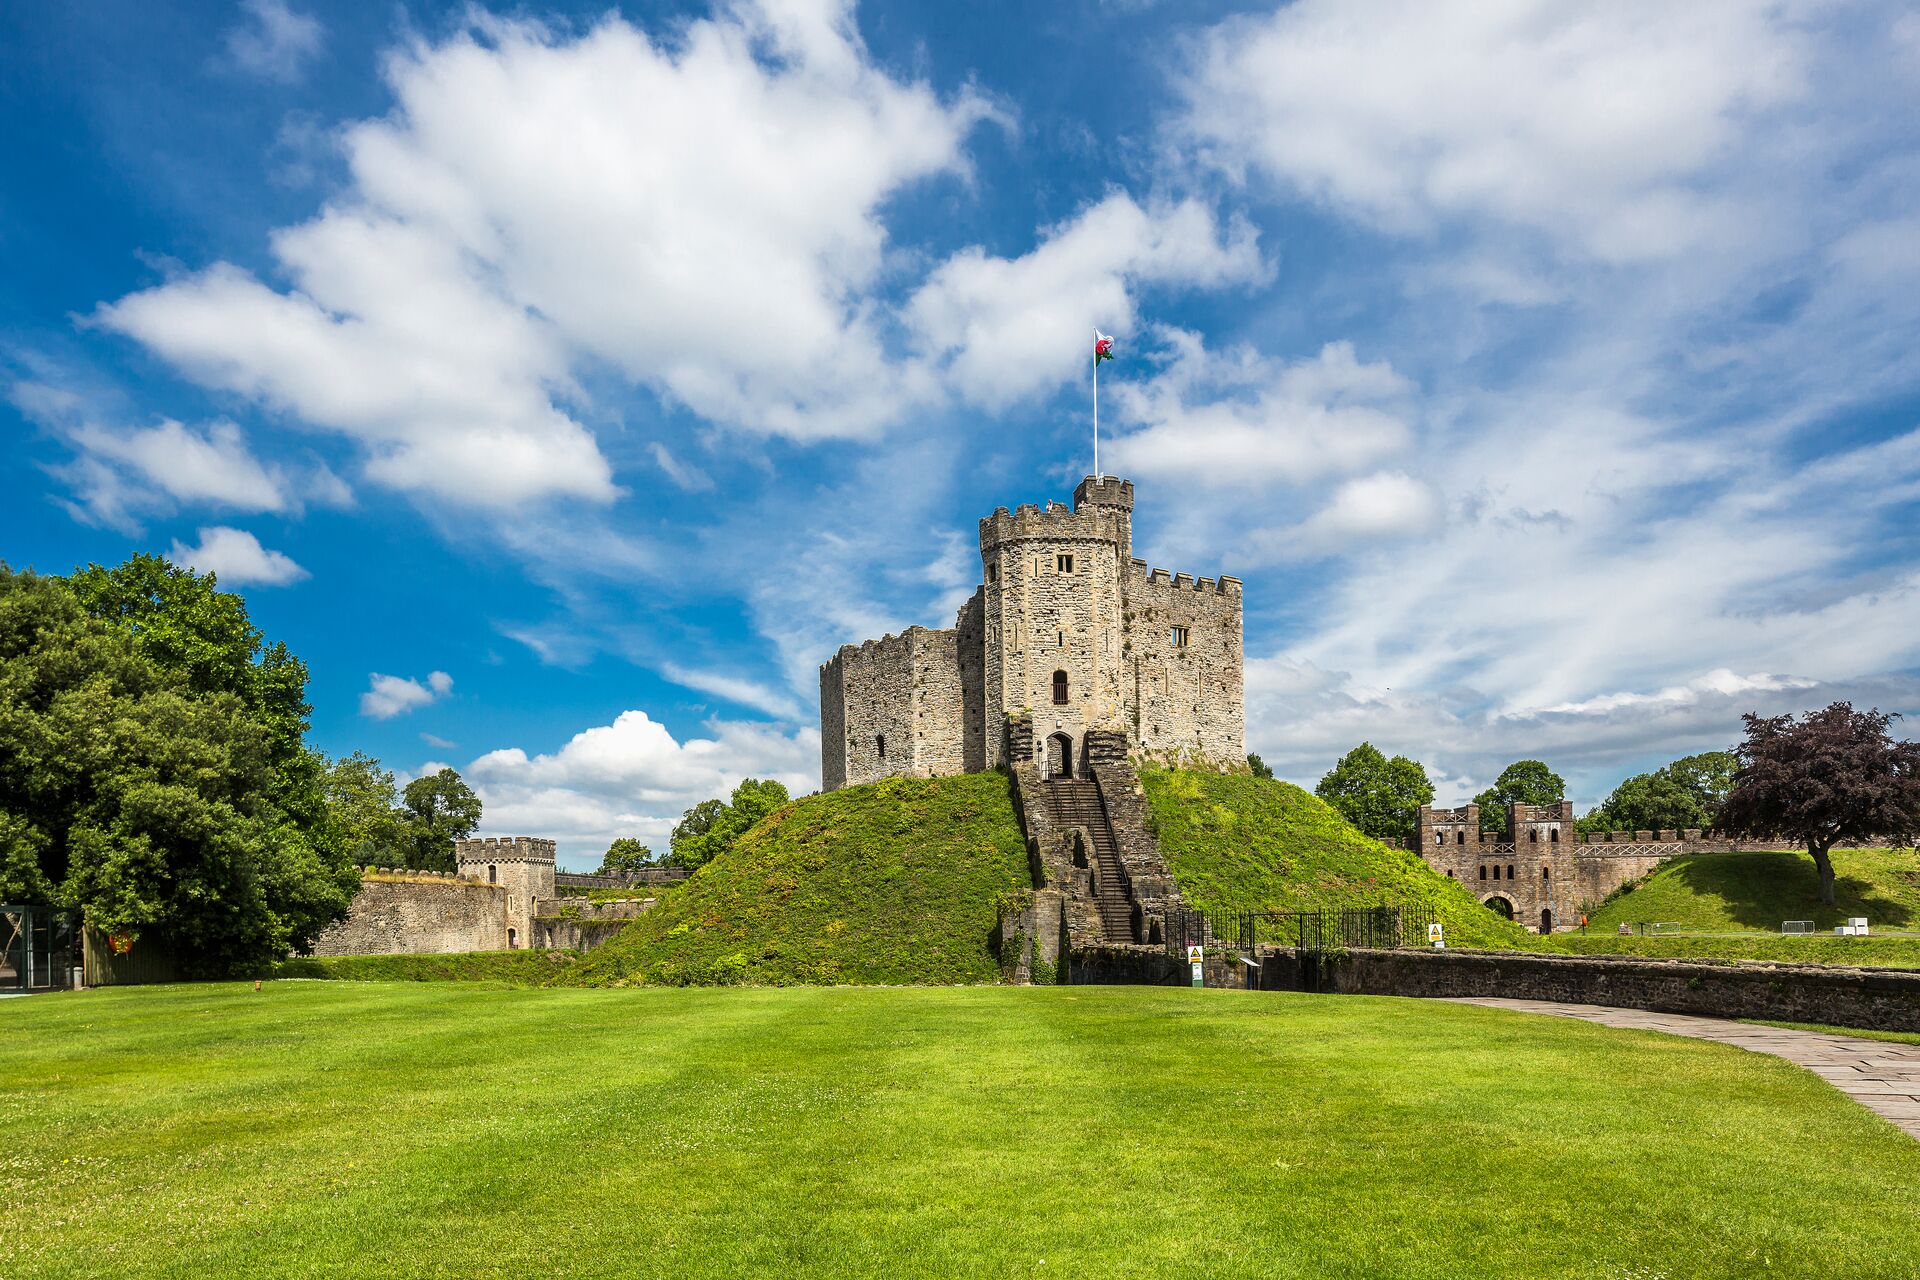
{"type": "Point", "coordinates": [521, 865]}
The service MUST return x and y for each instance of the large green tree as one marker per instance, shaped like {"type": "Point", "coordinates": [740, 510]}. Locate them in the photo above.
{"type": "Point", "coordinates": [1381, 797]}
{"type": "Point", "coordinates": [1522, 782]}
{"type": "Point", "coordinates": [437, 810]}
{"type": "Point", "coordinates": [138, 789]}
{"type": "Point", "coordinates": [711, 827]}
{"type": "Point", "coordinates": [363, 807]}
{"type": "Point", "coordinates": [625, 855]}
{"type": "Point", "coordinates": [1685, 793]}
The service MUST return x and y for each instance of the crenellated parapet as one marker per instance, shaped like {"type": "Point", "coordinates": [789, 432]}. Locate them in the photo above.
{"type": "Point", "coordinates": [503, 849]}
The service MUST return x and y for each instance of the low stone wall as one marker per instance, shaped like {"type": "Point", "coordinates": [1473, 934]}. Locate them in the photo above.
{"type": "Point", "coordinates": [568, 924]}
{"type": "Point", "coordinates": [1880, 999]}
{"type": "Point", "coordinates": [420, 915]}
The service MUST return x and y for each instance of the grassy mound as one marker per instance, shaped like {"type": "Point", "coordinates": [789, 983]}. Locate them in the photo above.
{"type": "Point", "coordinates": [337, 1130]}
{"type": "Point", "coordinates": [1749, 892]}
{"type": "Point", "coordinates": [895, 882]}
{"type": "Point", "coordinates": [1238, 843]}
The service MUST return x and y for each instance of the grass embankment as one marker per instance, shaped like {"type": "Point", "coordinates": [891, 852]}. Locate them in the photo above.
{"type": "Point", "coordinates": [1871, 953]}
{"type": "Point", "coordinates": [1897, 1037]}
{"type": "Point", "coordinates": [402, 1130]}
{"type": "Point", "coordinates": [1755, 892]}
{"type": "Point", "coordinates": [1241, 843]}
{"type": "Point", "coordinates": [509, 968]}
{"type": "Point", "coordinates": [895, 882]}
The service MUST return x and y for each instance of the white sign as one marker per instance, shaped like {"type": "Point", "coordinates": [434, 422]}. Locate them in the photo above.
{"type": "Point", "coordinates": [1435, 938]}
{"type": "Point", "coordinates": [1195, 955]}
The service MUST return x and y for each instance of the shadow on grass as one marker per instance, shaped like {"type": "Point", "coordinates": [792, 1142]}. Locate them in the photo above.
{"type": "Point", "coordinates": [1761, 890]}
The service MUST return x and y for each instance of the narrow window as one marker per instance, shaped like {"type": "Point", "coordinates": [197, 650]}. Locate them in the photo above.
{"type": "Point", "coordinates": [1554, 835]}
{"type": "Point", "coordinates": [493, 875]}
{"type": "Point", "coordinates": [513, 939]}
{"type": "Point", "coordinates": [1459, 837]}
{"type": "Point", "coordinates": [1064, 564]}
{"type": "Point", "coordinates": [993, 573]}
{"type": "Point", "coordinates": [1483, 873]}
{"type": "Point", "coordinates": [1449, 873]}
{"type": "Point", "coordinates": [1533, 837]}
{"type": "Point", "coordinates": [1061, 640]}
{"type": "Point", "coordinates": [1509, 871]}
{"type": "Point", "coordinates": [1439, 837]}
{"type": "Point", "coordinates": [1546, 873]}
{"type": "Point", "coordinates": [880, 744]}
{"type": "Point", "coordinates": [1179, 637]}
{"type": "Point", "coordinates": [1059, 688]}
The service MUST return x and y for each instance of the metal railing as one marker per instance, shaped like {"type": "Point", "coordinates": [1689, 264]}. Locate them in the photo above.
{"type": "Point", "coordinates": [1379, 927]}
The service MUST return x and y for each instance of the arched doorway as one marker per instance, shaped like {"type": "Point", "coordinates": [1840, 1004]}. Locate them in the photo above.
{"type": "Point", "coordinates": [1546, 920]}
{"type": "Point", "coordinates": [1499, 906]}
{"type": "Point", "coordinates": [513, 939]}
{"type": "Point", "coordinates": [1059, 756]}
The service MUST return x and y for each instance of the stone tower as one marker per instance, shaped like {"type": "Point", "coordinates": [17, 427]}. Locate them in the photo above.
{"type": "Point", "coordinates": [522, 865]}
{"type": "Point", "coordinates": [1066, 634]}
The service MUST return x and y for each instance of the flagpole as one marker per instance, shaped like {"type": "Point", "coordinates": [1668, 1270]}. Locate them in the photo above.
{"type": "Point", "coordinates": [1096, 417]}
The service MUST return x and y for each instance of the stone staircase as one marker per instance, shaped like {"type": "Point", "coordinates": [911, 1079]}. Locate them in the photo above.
{"type": "Point", "coordinates": [1075, 802]}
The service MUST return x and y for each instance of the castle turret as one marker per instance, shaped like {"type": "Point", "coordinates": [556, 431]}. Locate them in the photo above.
{"type": "Point", "coordinates": [522, 865]}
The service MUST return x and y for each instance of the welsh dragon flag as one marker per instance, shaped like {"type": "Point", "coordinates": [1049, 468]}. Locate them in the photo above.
{"type": "Point", "coordinates": [1102, 348]}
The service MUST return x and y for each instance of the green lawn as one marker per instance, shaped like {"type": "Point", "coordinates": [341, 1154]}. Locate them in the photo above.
{"type": "Point", "coordinates": [1897, 1037]}
{"type": "Point", "coordinates": [1239, 843]}
{"type": "Point", "coordinates": [418, 1129]}
{"type": "Point", "coordinates": [1733, 892]}
{"type": "Point", "coordinates": [1887, 953]}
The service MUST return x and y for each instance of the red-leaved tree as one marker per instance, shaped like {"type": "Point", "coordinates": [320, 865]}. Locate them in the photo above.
{"type": "Point", "coordinates": [1827, 778]}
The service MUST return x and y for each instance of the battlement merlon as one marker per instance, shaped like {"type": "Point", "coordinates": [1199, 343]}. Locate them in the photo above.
{"type": "Point", "coordinates": [504, 849]}
{"type": "Point", "coordinates": [1225, 585]}
{"type": "Point", "coordinates": [1104, 491]}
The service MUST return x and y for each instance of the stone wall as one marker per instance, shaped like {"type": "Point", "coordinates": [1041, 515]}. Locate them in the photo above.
{"type": "Point", "coordinates": [899, 706]}
{"type": "Point", "coordinates": [1184, 696]}
{"type": "Point", "coordinates": [1542, 871]}
{"type": "Point", "coordinates": [1879, 999]}
{"type": "Point", "coordinates": [416, 912]}
{"type": "Point", "coordinates": [568, 924]}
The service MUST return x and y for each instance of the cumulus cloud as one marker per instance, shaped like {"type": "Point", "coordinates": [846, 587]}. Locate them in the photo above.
{"type": "Point", "coordinates": [1385, 505]}
{"type": "Point", "coordinates": [1008, 327]}
{"type": "Point", "coordinates": [633, 778]}
{"type": "Point", "coordinates": [1237, 420]}
{"type": "Point", "coordinates": [237, 557]}
{"type": "Point", "coordinates": [1594, 127]}
{"type": "Point", "coordinates": [389, 696]}
{"type": "Point", "coordinates": [701, 214]}
{"type": "Point", "coordinates": [274, 41]}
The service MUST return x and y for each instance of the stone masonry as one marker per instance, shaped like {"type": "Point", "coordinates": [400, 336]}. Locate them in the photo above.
{"type": "Point", "coordinates": [500, 897]}
{"type": "Point", "coordinates": [1540, 871]}
{"type": "Point", "coordinates": [1066, 629]}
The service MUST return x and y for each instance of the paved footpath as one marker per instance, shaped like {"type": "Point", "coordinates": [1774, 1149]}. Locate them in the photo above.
{"type": "Point", "coordinates": [1881, 1075]}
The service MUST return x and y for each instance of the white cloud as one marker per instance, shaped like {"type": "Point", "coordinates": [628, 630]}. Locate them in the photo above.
{"type": "Point", "coordinates": [632, 778]}
{"type": "Point", "coordinates": [211, 465]}
{"type": "Point", "coordinates": [1385, 505]}
{"type": "Point", "coordinates": [1592, 125]}
{"type": "Point", "coordinates": [275, 42]}
{"type": "Point", "coordinates": [684, 475]}
{"type": "Point", "coordinates": [748, 693]}
{"type": "Point", "coordinates": [701, 214]}
{"type": "Point", "coordinates": [237, 557]}
{"type": "Point", "coordinates": [1238, 421]}
{"type": "Point", "coordinates": [389, 696]}
{"type": "Point", "coordinates": [1010, 327]}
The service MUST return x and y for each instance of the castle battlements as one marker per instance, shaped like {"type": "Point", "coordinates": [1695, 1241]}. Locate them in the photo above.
{"type": "Point", "coordinates": [1065, 626]}
{"type": "Point", "coordinates": [498, 849]}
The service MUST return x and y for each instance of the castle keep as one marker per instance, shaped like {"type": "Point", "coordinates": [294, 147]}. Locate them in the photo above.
{"type": "Point", "coordinates": [1066, 635]}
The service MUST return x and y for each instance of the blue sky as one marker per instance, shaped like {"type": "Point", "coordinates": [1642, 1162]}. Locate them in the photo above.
{"type": "Point", "coordinates": [564, 383]}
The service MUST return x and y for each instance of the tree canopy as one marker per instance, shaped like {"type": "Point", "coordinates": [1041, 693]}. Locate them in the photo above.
{"type": "Point", "coordinates": [1833, 775]}
{"type": "Point", "coordinates": [710, 828]}
{"type": "Point", "coordinates": [1685, 793]}
{"type": "Point", "coordinates": [1381, 797]}
{"type": "Point", "coordinates": [625, 855]}
{"type": "Point", "coordinates": [437, 809]}
{"type": "Point", "coordinates": [1522, 782]}
{"type": "Point", "coordinates": [1259, 767]}
{"type": "Point", "coordinates": [152, 768]}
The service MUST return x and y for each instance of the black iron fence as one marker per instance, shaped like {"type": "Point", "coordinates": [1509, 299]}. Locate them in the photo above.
{"type": "Point", "coordinates": [1381, 927]}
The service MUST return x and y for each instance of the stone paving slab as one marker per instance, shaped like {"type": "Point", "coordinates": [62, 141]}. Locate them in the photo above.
{"type": "Point", "coordinates": [1881, 1075]}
